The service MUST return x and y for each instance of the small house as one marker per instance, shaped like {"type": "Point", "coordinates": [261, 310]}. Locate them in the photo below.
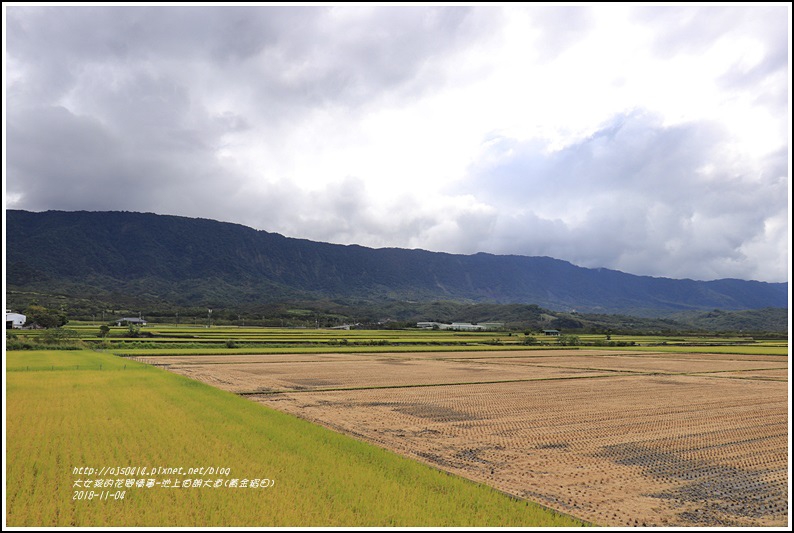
{"type": "Point", "coordinates": [551, 332]}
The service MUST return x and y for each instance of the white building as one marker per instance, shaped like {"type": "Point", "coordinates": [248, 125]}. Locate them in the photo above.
{"type": "Point", "coordinates": [457, 326]}
{"type": "Point", "coordinates": [15, 320]}
{"type": "Point", "coordinates": [465, 326]}
{"type": "Point", "coordinates": [130, 321]}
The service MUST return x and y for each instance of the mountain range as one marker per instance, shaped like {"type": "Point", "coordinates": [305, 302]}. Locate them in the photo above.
{"type": "Point", "coordinates": [194, 261]}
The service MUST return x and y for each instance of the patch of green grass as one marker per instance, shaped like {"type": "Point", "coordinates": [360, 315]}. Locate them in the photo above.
{"type": "Point", "coordinates": [61, 420]}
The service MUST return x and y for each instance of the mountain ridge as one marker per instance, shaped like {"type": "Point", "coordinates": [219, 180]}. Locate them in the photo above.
{"type": "Point", "coordinates": [194, 261]}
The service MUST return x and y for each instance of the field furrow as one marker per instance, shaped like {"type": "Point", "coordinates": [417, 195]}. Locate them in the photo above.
{"type": "Point", "coordinates": [656, 439]}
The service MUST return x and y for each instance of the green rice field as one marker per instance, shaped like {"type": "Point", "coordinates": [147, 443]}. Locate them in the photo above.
{"type": "Point", "coordinates": [192, 340]}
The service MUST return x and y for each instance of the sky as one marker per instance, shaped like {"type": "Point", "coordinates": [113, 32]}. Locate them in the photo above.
{"type": "Point", "coordinates": [654, 140]}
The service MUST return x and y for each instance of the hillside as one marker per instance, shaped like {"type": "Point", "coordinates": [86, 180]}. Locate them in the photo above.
{"type": "Point", "coordinates": [200, 262]}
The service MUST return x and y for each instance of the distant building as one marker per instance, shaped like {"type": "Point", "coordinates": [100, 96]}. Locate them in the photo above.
{"type": "Point", "coordinates": [551, 332]}
{"type": "Point", "coordinates": [465, 326]}
{"type": "Point", "coordinates": [14, 320]}
{"type": "Point", "coordinates": [130, 322]}
{"type": "Point", "coordinates": [460, 326]}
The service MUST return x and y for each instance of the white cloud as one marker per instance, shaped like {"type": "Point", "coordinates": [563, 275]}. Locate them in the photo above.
{"type": "Point", "coordinates": [645, 139]}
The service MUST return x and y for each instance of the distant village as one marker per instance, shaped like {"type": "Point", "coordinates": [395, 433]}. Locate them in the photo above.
{"type": "Point", "coordinates": [18, 321]}
{"type": "Point", "coordinates": [461, 326]}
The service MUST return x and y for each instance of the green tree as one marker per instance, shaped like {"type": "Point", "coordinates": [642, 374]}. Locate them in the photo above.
{"type": "Point", "coordinates": [59, 336]}
{"type": "Point", "coordinates": [530, 340]}
{"type": "Point", "coordinates": [44, 317]}
{"type": "Point", "coordinates": [104, 330]}
{"type": "Point", "coordinates": [569, 340]}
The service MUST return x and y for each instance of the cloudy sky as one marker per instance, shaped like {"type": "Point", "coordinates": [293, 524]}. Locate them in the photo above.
{"type": "Point", "coordinates": [652, 140]}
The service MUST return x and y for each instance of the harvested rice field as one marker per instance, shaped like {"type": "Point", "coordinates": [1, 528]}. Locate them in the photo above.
{"type": "Point", "coordinates": [613, 438]}
{"type": "Point", "coordinates": [365, 373]}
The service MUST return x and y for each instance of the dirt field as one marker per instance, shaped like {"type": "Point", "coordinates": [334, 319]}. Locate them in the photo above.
{"type": "Point", "coordinates": [617, 439]}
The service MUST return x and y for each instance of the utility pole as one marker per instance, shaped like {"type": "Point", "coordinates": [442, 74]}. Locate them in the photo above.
{"type": "Point", "coordinates": [209, 313]}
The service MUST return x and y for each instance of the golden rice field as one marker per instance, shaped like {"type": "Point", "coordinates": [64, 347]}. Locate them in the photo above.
{"type": "Point", "coordinates": [616, 438]}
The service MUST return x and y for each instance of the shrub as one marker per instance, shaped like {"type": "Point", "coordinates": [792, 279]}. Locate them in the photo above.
{"type": "Point", "coordinates": [44, 317]}
{"type": "Point", "coordinates": [59, 336]}
{"type": "Point", "coordinates": [569, 340]}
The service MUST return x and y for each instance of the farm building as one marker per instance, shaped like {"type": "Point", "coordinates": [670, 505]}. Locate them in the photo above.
{"type": "Point", "coordinates": [130, 321]}
{"type": "Point", "coordinates": [14, 320]}
{"type": "Point", "coordinates": [459, 326]}
{"type": "Point", "coordinates": [465, 326]}
{"type": "Point", "coordinates": [551, 332]}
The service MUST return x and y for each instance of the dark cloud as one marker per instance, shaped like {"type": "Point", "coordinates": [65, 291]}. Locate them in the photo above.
{"type": "Point", "coordinates": [57, 158]}
{"type": "Point", "coordinates": [107, 96]}
{"type": "Point", "coordinates": [60, 160]}
{"type": "Point", "coordinates": [298, 55]}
